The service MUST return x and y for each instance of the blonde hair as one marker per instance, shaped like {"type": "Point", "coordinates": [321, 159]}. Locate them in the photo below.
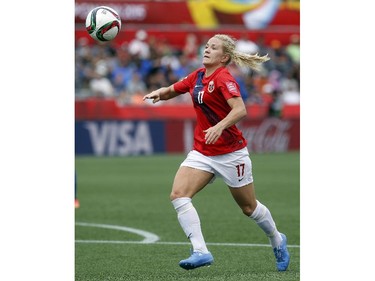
{"type": "Point", "coordinates": [242, 59]}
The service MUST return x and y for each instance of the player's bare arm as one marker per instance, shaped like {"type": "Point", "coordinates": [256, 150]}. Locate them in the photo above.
{"type": "Point", "coordinates": [236, 114]}
{"type": "Point", "coordinates": [164, 93]}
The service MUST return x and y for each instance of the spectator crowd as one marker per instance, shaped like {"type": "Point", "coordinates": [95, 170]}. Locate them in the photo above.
{"type": "Point", "coordinates": [129, 71]}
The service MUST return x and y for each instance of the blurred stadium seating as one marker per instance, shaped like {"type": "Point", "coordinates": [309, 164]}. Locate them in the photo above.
{"type": "Point", "coordinates": [154, 50]}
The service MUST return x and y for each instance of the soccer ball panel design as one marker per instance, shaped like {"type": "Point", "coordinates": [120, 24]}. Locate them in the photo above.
{"type": "Point", "coordinates": [103, 23]}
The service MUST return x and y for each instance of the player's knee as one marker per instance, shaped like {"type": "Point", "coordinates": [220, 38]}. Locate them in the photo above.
{"type": "Point", "coordinates": [178, 192]}
{"type": "Point", "coordinates": [172, 196]}
{"type": "Point", "coordinates": [248, 210]}
{"type": "Point", "coordinates": [175, 194]}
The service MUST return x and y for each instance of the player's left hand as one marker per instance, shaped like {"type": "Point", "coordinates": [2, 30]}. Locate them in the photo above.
{"type": "Point", "coordinates": [212, 134]}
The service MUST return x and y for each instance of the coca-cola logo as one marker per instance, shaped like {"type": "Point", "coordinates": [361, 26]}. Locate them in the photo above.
{"type": "Point", "coordinates": [271, 135]}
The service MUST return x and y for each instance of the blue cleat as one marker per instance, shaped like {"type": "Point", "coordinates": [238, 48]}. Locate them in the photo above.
{"type": "Point", "coordinates": [282, 255]}
{"type": "Point", "coordinates": [197, 259]}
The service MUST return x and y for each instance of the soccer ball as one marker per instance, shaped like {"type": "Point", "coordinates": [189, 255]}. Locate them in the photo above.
{"type": "Point", "coordinates": [103, 23]}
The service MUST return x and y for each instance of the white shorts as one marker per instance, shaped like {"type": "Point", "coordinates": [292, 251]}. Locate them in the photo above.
{"type": "Point", "coordinates": [235, 168]}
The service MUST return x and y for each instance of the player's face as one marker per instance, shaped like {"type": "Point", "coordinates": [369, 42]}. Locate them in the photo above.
{"type": "Point", "coordinates": [213, 53]}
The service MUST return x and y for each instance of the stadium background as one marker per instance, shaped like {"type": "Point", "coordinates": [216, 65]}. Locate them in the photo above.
{"type": "Point", "coordinates": [127, 150]}
{"type": "Point", "coordinates": [111, 120]}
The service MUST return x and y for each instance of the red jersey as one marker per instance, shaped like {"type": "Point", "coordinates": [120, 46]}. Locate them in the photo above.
{"type": "Point", "coordinates": [210, 95]}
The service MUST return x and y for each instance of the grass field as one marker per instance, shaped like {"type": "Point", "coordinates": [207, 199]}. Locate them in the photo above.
{"type": "Point", "coordinates": [120, 195]}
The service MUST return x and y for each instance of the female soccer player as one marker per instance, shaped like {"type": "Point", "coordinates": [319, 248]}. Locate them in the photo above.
{"type": "Point", "coordinates": [219, 148]}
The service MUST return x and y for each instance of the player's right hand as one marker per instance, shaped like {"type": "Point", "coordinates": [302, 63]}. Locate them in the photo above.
{"type": "Point", "coordinates": [155, 96]}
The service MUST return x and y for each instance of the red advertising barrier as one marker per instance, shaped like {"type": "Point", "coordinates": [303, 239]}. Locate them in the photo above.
{"type": "Point", "coordinates": [271, 134]}
{"type": "Point", "coordinates": [262, 135]}
{"type": "Point", "coordinates": [108, 109]}
{"type": "Point", "coordinates": [176, 125]}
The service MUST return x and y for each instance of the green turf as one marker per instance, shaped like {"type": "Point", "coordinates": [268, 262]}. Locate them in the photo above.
{"type": "Point", "coordinates": [134, 192]}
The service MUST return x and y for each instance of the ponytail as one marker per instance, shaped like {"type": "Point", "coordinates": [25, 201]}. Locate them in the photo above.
{"type": "Point", "coordinates": [242, 59]}
{"type": "Point", "coordinates": [252, 61]}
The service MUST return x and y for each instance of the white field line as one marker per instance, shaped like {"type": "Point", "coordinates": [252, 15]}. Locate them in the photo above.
{"type": "Point", "coordinates": [151, 238]}
{"type": "Point", "coordinates": [175, 243]}
{"type": "Point", "coordinates": [148, 236]}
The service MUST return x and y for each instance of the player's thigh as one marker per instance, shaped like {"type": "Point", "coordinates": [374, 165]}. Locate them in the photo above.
{"type": "Point", "coordinates": [245, 198]}
{"type": "Point", "coordinates": [188, 181]}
